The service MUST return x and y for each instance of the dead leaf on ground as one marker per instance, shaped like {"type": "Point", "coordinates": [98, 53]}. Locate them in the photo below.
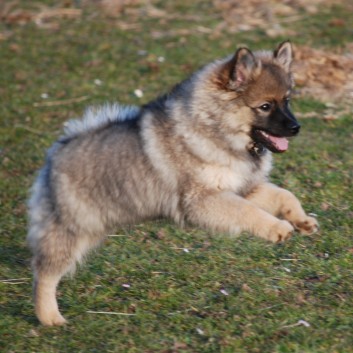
{"type": "Point", "coordinates": [43, 16]}
{"type": "Point", "coordinates": [245, 287]}
{"type": "Point", "coordinates": [325, 206]}
{"type": "Point", "coordinates": [115, 7]}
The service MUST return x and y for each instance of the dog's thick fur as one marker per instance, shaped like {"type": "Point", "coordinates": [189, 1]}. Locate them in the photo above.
{"type": "Point", "coordinates": [199, 154]}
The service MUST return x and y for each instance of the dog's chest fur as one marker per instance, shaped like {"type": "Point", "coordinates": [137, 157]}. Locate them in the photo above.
{"type": "Point", "coordinates": [203, 160]}
{"type": "Point", "coordinates": [238, 176]}
{"type": "Point", "coordinates": [219, 168]}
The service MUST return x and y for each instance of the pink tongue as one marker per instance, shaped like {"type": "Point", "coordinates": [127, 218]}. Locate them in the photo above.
{"type": "Point", "coordinates": [281, 143]}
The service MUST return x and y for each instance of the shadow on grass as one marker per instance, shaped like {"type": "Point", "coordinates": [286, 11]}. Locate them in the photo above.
{"type": "Point", "coordinates": [16, 278]}
{"type": "Point", "coordinates": [16, 257]}
{"type": "Point", "coordinates": [21, 311]}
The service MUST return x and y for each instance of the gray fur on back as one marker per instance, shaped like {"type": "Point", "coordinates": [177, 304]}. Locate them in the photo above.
{"type": "Point", "coordinates": [96, 118]}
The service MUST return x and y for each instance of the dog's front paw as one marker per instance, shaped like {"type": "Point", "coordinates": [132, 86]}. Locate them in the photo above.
{"type": "Point", "coordinates": [308, 225]}
{"type": "Point", "coordinates": [281, 231]}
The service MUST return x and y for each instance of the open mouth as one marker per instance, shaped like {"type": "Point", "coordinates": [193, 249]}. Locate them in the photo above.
{"type": "Point", "coordinates": [275, 144]}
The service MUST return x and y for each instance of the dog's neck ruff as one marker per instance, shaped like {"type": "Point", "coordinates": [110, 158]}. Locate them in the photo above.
{"type": "Point", "coordinates": [257, 149]}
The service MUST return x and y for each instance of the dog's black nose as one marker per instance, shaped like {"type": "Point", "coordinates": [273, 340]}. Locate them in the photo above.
{"type": "Point", "coordinates": [295, 129]}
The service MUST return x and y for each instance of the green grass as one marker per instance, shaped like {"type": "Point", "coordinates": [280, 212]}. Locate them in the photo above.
{"type": "Point", "coordinates": [178, 298]}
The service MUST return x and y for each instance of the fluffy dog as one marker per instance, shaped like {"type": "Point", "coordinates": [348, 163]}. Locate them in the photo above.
{"type": "Point", "coordinates": [199, 154]}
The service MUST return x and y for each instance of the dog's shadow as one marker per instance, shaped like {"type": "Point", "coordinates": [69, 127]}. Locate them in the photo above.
{"type": "Point", "coordinates": [16, 283]}
{"type": "Point", "coordinates": [16, 257]}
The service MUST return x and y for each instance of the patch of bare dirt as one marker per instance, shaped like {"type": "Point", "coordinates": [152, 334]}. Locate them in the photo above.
{"type": "Point", "coordinates": [271, 16]}
{"type": "Point", "coordinates": [12, 13]}
{"type": "Point", "coordinates": [115, 7]}
{"type": "Point", "coordinates": [324, 75]}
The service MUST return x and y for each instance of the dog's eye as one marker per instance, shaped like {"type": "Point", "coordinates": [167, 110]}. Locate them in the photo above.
{"type": "Point", "coordinates": [265, 107]}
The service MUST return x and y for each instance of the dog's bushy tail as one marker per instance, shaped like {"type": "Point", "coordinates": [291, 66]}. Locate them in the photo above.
{"type": "Point", "coordinates": [96, 118]}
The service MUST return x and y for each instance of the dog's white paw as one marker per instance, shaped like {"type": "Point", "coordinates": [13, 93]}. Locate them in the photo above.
{"type": "Point", "coordinates": [281, 231]}
{"type": "Point", "coordinates": [307, 225]}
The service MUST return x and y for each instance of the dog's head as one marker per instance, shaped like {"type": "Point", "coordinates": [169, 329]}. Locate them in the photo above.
{"type": "Point", "coordinates": [262, 83]}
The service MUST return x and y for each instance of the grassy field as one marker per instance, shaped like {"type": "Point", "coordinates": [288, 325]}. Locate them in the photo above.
{"type": "Point", "coordinates": [184, 290]}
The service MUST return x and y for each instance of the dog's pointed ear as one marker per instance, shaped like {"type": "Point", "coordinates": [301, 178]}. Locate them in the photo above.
{"type": "Point", "coordinates": [284, 55]}
{"type": "Point", "coordinates": [242, 68]}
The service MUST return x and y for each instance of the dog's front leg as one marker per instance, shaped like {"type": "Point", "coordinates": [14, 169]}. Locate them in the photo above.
{"type": "Point", "coordinates": [227, 212]}
{"type": "Point", "coordinates": [283, 203]}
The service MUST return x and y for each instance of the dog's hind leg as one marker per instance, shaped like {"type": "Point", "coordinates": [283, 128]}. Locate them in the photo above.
{"type": "Point", "coordinates": [56, 252]}
{"type": "Point", "coordinates": [46, 305]}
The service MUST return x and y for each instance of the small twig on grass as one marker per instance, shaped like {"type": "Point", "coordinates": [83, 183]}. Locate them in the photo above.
{"type": "Point", "coordinates": [294, 18]}
{"type": "Point", "coordinates": [158, 272]}
{"type": "Point", "coordinates": [191, 309]}
{"type": "Point", "coordinates": [34, 131]}
{"type": "Point", "coordinates": [299, 323]}
{"type": "Point", "coordinates": [307, 115]}
{"type": "Point", "coordinates": [14, 280]}
{"type": "Point", "coordinates": [116, 235]}
{"type": "Point", "coordinates": [109, 313]}
{"type": "Point", "coordinates": [43, 18]}
{"type": "Point", "coordinates": [61, 102]}
{"type": "Point", "coordinates": [183, 249]}
{"type": "Point", "coordinates": [270, 307]}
